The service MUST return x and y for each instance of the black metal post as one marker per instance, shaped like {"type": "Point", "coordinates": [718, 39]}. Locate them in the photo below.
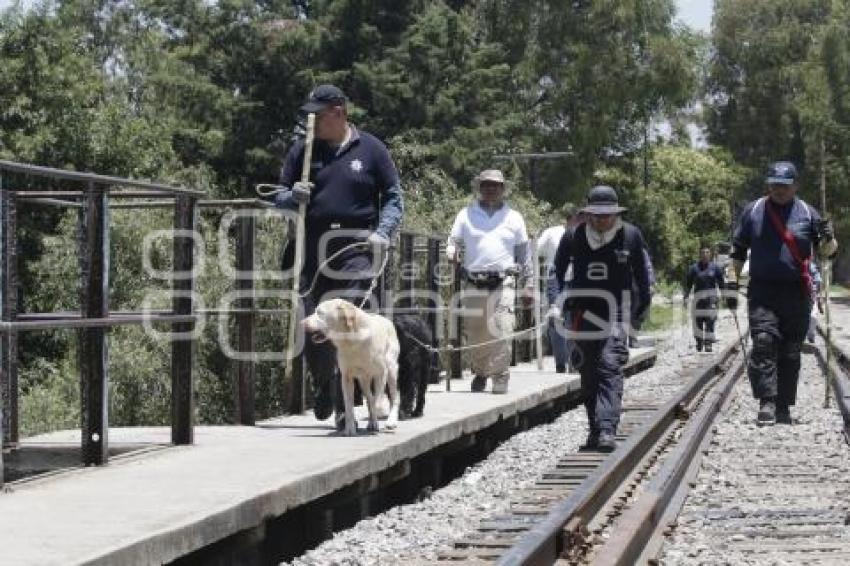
{"type": "Point", "coordinates": [245, 320]}
{"type": "Point", "coordinates": [386, 283]}
{"type": "Point", "coordinates": [182, 350]}
{"type": "Point", "coordinates": [9, 294]}
{"type": "Point", "coordinates": [4, 200]}
{"type": "Point", "coordinates": [94, 366]}
{"type": "Point", "coordinates": [433, 283]}
{"type": "Point", "coordinates": [407, 281]}
{"type": "Point", "coordinates": [11, 286]}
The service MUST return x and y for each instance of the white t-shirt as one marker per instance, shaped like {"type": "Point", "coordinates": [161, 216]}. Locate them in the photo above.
{"type": "Point", "coordinates": [489, 241]}
{"type": "Point", "coordinates": [547, 243]}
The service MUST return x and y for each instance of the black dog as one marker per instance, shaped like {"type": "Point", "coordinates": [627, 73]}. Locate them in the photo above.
{"type": "Point", "coordinates": [416, 364]}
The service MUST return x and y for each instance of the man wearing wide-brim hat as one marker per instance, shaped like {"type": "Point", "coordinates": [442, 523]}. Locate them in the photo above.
{"type": "Point", "coordinates": [606, 257]}
{"type": "Point", "coordinates": [496, 262]}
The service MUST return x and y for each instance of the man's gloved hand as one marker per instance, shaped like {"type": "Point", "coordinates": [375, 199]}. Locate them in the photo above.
{"type": "Point", "coordinates": [301, 192]}
{"type": "Point", "coordinates": [731, 295]}
{"type": "Point", "coordinates": [824, 230]}
{"type": "Point", "coordinates": [378, 241]}
{"type": "Point", "coordinates": [554, 312]}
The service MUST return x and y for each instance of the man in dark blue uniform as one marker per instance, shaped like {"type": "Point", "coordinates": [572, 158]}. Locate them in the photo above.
{"type": "Point", "coordinates": [782, 232]}
{"type": "Point", "coordinates": [606, 255]}
{"type": "Point", "coordinates": [354, 195]}
{"type": "Point", "coordinates": [706, 278]}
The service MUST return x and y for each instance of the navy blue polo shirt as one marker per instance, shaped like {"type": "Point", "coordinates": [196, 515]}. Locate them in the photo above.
{"type": "Point", "coordinates": [349, 181]}
{"type": "Point", "coordinates": [770, 259]}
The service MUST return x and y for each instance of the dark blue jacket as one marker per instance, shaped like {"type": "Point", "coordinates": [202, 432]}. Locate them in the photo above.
{"type": "Point", "coordinates": [705, 279]}
{"type": "Point", "coordinates": [356, 186]}
{"type": "Point", "coordinates": [770, 259]}
{"type": "Point", "coordinates": [618, 268]}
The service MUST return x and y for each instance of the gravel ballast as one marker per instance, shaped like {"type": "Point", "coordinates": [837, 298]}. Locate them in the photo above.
{"type": "Point", "coordinates": [770, 495]}
{"type": "Point", "coordinates": [417, 532]}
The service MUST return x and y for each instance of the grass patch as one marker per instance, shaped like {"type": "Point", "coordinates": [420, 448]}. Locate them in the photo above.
{"type": "Point", "coordinates": [662, 317]}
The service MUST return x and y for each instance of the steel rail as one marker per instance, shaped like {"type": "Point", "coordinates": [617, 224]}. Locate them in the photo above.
{"type": "Point", "coordinates": [548, 539]}
{"type": "Point", "coordinates": [838, 374]}
{"type": "Point", "coordinates": [638, 524]}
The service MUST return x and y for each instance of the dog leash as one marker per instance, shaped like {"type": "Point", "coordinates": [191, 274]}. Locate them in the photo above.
{"type": "Point", "coordinates": [451, 348]}
{"type": "Point", "coordinates": [333, 257]}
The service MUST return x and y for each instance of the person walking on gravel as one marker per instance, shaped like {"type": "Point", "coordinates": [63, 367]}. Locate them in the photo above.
{"type": "Point", "coordinates": [496, 261]}
{"type": "Point", "coordinates": [706, 278]}
{"type": "Point", "coordinates": [782, 231]}
{"type": "Point", "coordinates": [606, 256]}
{"type": "Point", "coordinates": [354, 195]}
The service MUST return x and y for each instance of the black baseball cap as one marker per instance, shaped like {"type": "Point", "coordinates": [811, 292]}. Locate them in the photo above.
{"type": "Point", "coordinates": [781, 173]}
{"type": "Point", "coordinates": [602, 199]}
{"type": "Point", "coordinates": [322, 97]}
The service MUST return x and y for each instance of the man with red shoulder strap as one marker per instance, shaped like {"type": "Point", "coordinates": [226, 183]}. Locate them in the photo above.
{"type": "Point", "coordinates": [782, 232]}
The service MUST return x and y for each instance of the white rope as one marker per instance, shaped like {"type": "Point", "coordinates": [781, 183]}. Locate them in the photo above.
{"type": "Point", "coordinates": [275, 189]}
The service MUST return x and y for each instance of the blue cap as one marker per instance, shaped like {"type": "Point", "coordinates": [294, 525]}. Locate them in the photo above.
{"type": "Point", "coordinates": [322, 97]}
{"type": "Point", "coordinates": [781, 173]}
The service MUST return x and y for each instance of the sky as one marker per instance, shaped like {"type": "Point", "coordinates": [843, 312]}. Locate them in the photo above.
{"type": "Point", "coordinates": [696, 13]}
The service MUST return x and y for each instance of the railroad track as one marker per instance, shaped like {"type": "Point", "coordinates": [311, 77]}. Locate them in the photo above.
{"type": "Point", "coordinates": [565, 515]}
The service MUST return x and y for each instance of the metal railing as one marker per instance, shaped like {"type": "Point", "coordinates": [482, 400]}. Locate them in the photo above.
{"type": "Point", "coordinates": [416, 263]}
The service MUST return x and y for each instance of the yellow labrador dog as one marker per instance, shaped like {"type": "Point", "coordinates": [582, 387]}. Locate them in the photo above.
{"type": "Point", "coordinates": [367, 350]}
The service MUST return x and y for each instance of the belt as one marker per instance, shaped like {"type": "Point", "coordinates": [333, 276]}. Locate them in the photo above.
{"type": "Point", "coordinates": [322, 226]}
{"type": "Point", "coordinates": [486, 279]}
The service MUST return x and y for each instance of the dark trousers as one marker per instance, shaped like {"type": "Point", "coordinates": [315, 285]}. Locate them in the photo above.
{"type": "Point", "coordinates": [352, 284]}
{"type": "Point", "coordinates": [704, 331]}
{"type": "Point", "coordinates": [705, 315]}
{"type": "Point", "coordinates": [600, 364]}
{"type": "Point", "coordinates": [779, 318]}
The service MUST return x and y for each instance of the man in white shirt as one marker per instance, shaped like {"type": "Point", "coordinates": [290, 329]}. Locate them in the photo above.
{"type": "Point", "coordinates": [495, 259]}
{"type": "Point", "coordinates": [547, 245]}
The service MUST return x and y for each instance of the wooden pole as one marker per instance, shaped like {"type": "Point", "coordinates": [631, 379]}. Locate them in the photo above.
{"type": "Point", "coordinates": [827, 278]}
{"type": "Point", "coordinates": [299, 260]}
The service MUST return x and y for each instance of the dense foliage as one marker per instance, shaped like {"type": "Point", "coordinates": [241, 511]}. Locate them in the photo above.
{"type": "Point", "coordinates": [204, 94]}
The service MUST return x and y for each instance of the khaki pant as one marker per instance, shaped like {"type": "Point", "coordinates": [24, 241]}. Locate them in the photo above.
{"type": "Point", "coordinates": [489, 315]}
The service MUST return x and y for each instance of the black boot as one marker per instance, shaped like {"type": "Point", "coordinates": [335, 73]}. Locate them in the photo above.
{"type": "Point", "coordinates": [699, 345]}
{"type": "Point", "coordinates": [783, 414]}
{"type": "Point", "coordinates": [708, 346]}
{"type": "Point", "coordinates": [606, 443]}
{"type": "Point", "coordinates": [767, 411]}
{"type": "Point", "coordinates": [479, 383]}
{"type": "Point", "coordinates": [592, 442]}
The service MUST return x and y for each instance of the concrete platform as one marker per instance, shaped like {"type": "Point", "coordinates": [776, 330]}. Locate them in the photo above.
{"type": "Point", "coordinates": [166, 503]}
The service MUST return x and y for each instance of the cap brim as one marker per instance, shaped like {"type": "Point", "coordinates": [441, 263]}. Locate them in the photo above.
{"type": "Point", "coordinates": [603, 209]}
{"type": "Point", "coordinates": [779, 181]}
{"type": "Point", "coordinates": [314, 107]}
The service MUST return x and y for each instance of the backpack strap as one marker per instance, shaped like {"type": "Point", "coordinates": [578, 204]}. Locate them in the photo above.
{"type": "Point", "coordinates": [789, 241]}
